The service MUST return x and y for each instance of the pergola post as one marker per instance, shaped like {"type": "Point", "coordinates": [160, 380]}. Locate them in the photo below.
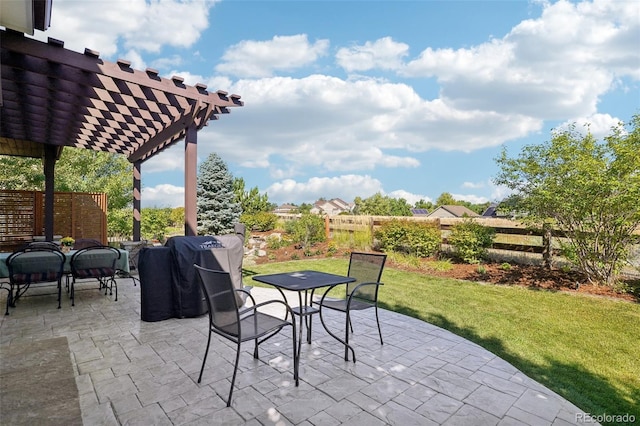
{"type": "Point", "coordinates": [190, 181]}
{"type": "Point", "coordinates": [137, 165]}
{"type": "Point", "coordinates": [50, 152]}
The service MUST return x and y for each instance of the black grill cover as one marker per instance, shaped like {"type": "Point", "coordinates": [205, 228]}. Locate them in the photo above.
{"type": "Point", "coordinates": [155, 266]}
{"type": "Point", "coordinates": [221, 252]}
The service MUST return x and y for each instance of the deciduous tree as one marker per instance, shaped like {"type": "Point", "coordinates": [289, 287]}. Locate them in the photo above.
{"type": "Point", "coordinates": [590, 189]}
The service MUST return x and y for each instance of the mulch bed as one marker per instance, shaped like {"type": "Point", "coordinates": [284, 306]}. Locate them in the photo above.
{"type": "Point", "coordinates": [532, 276]}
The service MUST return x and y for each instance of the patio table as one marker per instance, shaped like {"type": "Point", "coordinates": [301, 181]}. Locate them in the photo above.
{"type": "Point", "coordinates": [122, 263]}
{"type": "Point", "coordinates": [305, 283]}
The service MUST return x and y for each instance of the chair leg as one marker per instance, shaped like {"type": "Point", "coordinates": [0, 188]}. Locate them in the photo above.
{"type": "Point", "coordinates": [59, 292]}
{"type": "Point", "coordinates": [115, 283]}
{"type": "Point", "coordinates": [346, 338]}
{"type": "Point", "coordinates": [206, 352]}
{"type": "Point", "coordinates": [8, 296]}
{"type": "Point", "coordinates": [72, 292]}
{"type": "Point", "coordinates": [378, 322]}
{"type": "Point", "coordinates": [255, 350]}
{"type": "Point", "coordinates": [235, 371]}
{"type": "Point", "coordinates": [309, 325]}
{"type": "Point", "coordinates": [296, 356]}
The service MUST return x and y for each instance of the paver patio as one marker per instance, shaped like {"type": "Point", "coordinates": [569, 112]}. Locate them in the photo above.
{"type": "Point", "coordinates": [132, 372]}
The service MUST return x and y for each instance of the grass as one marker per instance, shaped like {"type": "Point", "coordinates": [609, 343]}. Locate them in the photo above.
{"type": "Point", "coordinates": [584, 348]}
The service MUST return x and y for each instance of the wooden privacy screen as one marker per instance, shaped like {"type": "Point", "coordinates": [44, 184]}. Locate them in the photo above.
{"type": "Point", "coordinates": [75, 214]}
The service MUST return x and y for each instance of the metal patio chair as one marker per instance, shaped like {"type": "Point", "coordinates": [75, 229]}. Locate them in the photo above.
{"type": "Point", "coordinates": [97, 262]}
{"type": "Point", "coordinates": [361, 294]}
{"type": "Point", "coordinates": [33, 265]}
{"type": "Point", "coordinates": [81, 243]}
{"type": "Point", "coordinates": [227, 319]}
{"type": "Point", "coordinates": [134, 254]}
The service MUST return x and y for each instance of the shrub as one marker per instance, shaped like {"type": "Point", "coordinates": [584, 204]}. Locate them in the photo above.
{"type": "Point", "coordinates": [275, 242]}
{"type": "Point", "coordinates": [470, 240]}
{"type": "Point", "coordinates": [260, 221]}
{"type": "Point", "coordinates": [421, 239]}
{"type": "Point", "coordinates": [307, 230]}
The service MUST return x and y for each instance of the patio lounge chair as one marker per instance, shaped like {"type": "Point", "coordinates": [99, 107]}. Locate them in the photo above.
{"type": "Point", "coordinates": [227, 320]}
{"type": "Point", "coordinates": [361, 294]}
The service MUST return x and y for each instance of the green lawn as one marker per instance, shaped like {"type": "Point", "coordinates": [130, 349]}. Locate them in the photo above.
{"type": "Point", "coordinates": [584, 348]}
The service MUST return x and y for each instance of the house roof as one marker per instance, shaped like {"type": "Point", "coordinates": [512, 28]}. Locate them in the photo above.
{"type": "Point", "coordinates": [419, 212]}
{"type": "Point", "coordinates": [455, 210]}
{"type": "Point", "coordinates": [51, 95]}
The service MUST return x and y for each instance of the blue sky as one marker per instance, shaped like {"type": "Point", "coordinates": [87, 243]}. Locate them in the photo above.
{"type": "Point", "coordinates": [349, 98]}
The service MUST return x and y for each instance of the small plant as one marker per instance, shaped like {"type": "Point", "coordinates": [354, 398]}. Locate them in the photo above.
{"type": "Point", "coordinates": [271, 256]}
{"type": "Point", "coordinates": [565, 268]}
{"type": "Point", "coordinates": [482, 270]}
{"type": "Point", "coordinates": [275, 242]}
{"type": "Point", "coordinates": [295, 256]}
{"type": "Point", "coordinates": [442, 265]}
{"type": "Point", "coordinates": [67, 241]}
{"type": "Point", "coordinates": [332, 249]}
{"type": "Point", "coordinates": [506, 266]}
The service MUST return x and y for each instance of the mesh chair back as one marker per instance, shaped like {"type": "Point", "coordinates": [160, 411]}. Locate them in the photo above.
{"type": "Point", "coordinates": [365, 268]}
{"type": "Point", "coordinates": [134, 254]}
{"type": "Point", "coordinates": [94, 262]}
{"type": "Point", "coordinates": [33, 265]}
{"type": "Point", "coordinates": [81, 243]}
{"type": "Point", "coordinates": [43, 245]}
{"type": "Point", "coordinates": [221, 301]}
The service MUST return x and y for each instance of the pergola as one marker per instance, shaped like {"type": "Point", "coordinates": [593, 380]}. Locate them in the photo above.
{"type": "Point", "coordinates": [53, 97]}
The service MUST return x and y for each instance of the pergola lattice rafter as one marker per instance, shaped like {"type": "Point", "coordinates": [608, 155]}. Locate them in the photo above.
{"type": "Point", "coordinates": [54, 96]}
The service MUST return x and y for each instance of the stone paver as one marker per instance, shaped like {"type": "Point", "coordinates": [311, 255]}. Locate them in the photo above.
{"type": "Point", "coordinates": [134, 372]}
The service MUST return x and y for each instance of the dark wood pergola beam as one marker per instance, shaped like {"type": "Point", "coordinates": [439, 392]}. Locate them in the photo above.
{"type": "Point", "coordinates": [55, 97]}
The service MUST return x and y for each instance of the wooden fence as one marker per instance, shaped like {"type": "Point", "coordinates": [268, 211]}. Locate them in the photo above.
{"type": "Point", "coordinates": [75, 214]}
{"type": "Point", "coordinates": [513, 240]}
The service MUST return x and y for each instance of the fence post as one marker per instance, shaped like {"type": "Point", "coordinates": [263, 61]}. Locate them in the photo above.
{"type": "Point", "coordinates": [546, 246]}
{"type": "Point", "coordinates": [326, 226]}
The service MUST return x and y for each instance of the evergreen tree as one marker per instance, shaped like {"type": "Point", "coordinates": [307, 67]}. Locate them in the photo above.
{"type": "Point", "coordinates": [218, 210]}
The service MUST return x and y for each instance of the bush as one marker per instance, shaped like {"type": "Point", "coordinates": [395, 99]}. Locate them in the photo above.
{"type": "Point", "coordinates": [421, 239]}
{"type": "Point", "coordinates": [470, 240]}
{"type": "Point", "coordinates": [307, 230]}
{"type": "Point", "coordinates": [260, 221]}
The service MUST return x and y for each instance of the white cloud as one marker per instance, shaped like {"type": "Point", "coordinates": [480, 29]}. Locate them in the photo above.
{"type": "Point", "coordinates": [164, 195]}
{"type": "Point", "coordinates": [408, 196]}
{"type": "Point", "coordinates": [141, 25]}
{"type": "Point", "coordinates": [552, 67]}
{"type": "Point", "coordinates": [169, 160]}
{"type": "Point", "coordinates": [598, 124]}
{"type": "Point", "coordinates": [473, 185]}
{"type": "Point", "coordinates": [328, 124]}
{"type": "Point", "coordinates": [383, 53]}
{"type": "Point", "coordinates": [346, 187]}
{"type": "Point", "coordinates": [474, 199]}
{"type": "Point", "coordinates": [251, 58]}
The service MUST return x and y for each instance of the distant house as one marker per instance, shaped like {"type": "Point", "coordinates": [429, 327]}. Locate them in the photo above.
{"type": "Point", "coordinates": [285, 209]}
{"type": "Point", "coordinates": [453, 211]}
{"type": "Point", "coordinates": [331, 207]}
{"type": "Point", "coordinates": [491, 211]}
{"type": "Point", "coordinates": [420, 212]}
